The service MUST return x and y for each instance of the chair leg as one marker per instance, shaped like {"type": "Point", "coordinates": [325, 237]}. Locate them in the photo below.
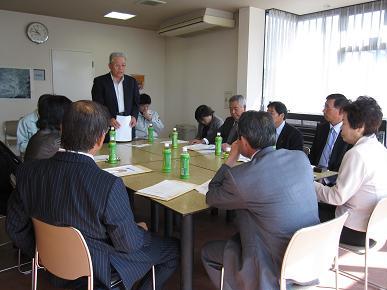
{"type": "Point", "coordinates": [221, 278]}
{"type": "Point", "coordinates": [337, 271]}
{"type": "Point", "coordinates": [153, 278]}
{"type": "Point", "coordinates": [366, 264]}
{"type": "Point", "coordinates": [34, 275]}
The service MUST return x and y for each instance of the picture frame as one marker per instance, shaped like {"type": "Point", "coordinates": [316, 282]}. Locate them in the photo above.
{"type": "Point", "coordinates": [39, 75]}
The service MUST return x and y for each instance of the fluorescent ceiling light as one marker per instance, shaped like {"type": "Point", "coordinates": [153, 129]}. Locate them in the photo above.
{"type": "Point", "coordinates": [119, 15]}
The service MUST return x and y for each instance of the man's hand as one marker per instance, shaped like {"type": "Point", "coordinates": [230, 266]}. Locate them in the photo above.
{"type": "Point", "coordinates": [225, 146]}
{"type": "Point", "coordinates": [115, 123]}
{"type": "Point", "coordinates": [234, 154]}
{"type": "Point", "coordinates": [133, 122]}
{"type": "Point", "coordinates": [143, 225]}
{"type": "Point", "coordinates": [147, 115]}
{"type": "Point", "coordinates": [196, 141]}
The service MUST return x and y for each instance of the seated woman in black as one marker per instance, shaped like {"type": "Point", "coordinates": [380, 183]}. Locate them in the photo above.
{"type": "Point", "coordinates": [46, 142]}
{"type": "Point", "coordinates": [208, 125]}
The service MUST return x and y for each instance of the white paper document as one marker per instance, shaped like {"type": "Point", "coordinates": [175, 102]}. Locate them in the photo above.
{"type": "Point", "coordinates": [124, 133]}
{"type": "Point", "coordinates": [127, 170]}
{"type": "Point", "coordinates": [178, 142]}
{"type": "Point", "coordinates": [201, 147]}
{"type": "Point", "coordinates": [100, 158]}
{"type": "Point", "coordinates": [167, 189]}
{"type": "Point", "coordinates": [137, 145]}
{"type": "Point", "coordinates": [203, 188]}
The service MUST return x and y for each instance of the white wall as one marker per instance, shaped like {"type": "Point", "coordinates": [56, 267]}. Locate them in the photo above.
{"type": "Point", "coordinates": [145, 51]}
{"type": "Point", "coordinates": [199, 70]}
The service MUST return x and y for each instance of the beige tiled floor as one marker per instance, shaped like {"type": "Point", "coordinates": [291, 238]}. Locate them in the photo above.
{"type": "Point", "coordinates": [207, 227]}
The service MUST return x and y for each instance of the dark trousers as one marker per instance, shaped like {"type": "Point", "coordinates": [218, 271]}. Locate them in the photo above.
{"type": "Point", "coordinates": [348, 236]}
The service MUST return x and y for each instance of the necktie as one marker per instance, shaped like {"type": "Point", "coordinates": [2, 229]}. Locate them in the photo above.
{"type": "Point", "coordinates": [326, 154]}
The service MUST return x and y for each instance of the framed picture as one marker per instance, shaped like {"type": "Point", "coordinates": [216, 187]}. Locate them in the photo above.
{"type": "Point", "coordinates": [140, 80]}
{"type": "Point", "coordinates": [15, 83]}
{"type": "Point", "coordinates": [39, 75]}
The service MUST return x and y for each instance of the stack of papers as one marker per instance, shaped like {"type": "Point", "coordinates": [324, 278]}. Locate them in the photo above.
{"type": "Point", "coordinates": [202, 148]}
{"type": "Point", "coordinates": [167, 189]}
{"type": "Point", "coordinates": [138, 145]}
{"type": "Point", "coordinates": [178, 142]}
{"type": "Point", "coordinates": [124, 133]}
{"type": "Point", "coordinates": [203, 188]}
{"type": "Point", "coordinates": [127, 170]}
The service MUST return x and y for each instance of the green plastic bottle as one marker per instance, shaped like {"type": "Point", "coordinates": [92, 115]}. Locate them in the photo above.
{"type": "Point", "coordinates": [167, 159]}
{"type": "Point", "coordinates": [184, 164]}
{"type": "Point", "coordinates": [218, 144]}
{"type": "Point", "coordinates": [112, 147]}
{"type": "Point", "coordinates": [174, 138]}
{"type": "Point", "coordinates": [151, 130]}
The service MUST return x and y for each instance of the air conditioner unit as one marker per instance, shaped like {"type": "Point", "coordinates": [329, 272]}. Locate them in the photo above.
{"type": "Point", "coordinates": [202, 19]}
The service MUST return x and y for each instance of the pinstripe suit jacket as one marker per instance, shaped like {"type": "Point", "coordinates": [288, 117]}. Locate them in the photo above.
{"type": "Point", "coordinates": [70, 189]}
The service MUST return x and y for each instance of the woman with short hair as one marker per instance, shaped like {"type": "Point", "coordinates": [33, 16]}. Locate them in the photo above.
{"type": "Point", "coordinates": [208, 125]}
{"type": "Point", "coordinates": [361, 180]}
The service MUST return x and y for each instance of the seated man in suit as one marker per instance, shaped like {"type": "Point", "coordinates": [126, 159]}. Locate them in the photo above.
{"type": "Point", "coordinates": [273, 196]}
{"type": "Point", "coordinates": [328, 146]}
{"type": "Point", "coordinates": [69, 189]}
{"type": "Point", "coordinates": [147, 117]}
{"type": "Point", "coordinates": [287, 136]}
{"type": "Point", "coordinates": [237, 105]}
{"type": "Point", "coordinates": [117, 91]}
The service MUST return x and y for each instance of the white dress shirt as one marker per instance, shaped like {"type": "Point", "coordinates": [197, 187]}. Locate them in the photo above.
{"type": "Point", "coordinates": [143, 124]}
{"type": "Point", "coordinates": [360, 184]}
{"type": "Point", "coordinates": [279, 130]}
{"type": "Point", "coordinates": [119, 88]}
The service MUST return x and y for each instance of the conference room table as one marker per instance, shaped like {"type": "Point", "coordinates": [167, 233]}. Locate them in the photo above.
{"type": "Point", "coordinates": [202, 168]}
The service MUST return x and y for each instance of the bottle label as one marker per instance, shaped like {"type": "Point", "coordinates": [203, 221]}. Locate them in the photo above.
{"type": "Point", "coordinates": [184, 166]}
{"type": "Point", "coordinates": [167, 162]}
{"type": "Point", "coordinates": [218, 145]}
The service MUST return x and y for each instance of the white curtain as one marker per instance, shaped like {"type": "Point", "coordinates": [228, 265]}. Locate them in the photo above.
{"type": "Point", "coordinates": [338, 51]}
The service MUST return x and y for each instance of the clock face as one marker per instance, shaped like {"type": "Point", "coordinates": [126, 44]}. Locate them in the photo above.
{"type": "Point", "coordinates": [37, 32]}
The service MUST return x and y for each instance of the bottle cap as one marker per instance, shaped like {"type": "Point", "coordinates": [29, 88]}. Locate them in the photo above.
{"type": "Point", "coordinates": [112, 128]}
{"type": "Point", "coordinates": [174, 129]}
{"type": "Point", "coordinates": [166, 145]}
{"type": "Point", "coordinates": [228, 149]}
{"type": "Point", "coordinates": [150, 125]}
{"type": "Point", "coordinates": [185, 150]}
{"type": "Point", "coordinates": [218, 134]}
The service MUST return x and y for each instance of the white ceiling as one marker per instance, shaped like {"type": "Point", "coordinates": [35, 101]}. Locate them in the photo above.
{"type": "Point", "coordinates": [150, 17]}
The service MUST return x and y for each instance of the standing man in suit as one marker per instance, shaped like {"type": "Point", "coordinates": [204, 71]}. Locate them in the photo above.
{"type": "Point", "coordinates": [69, 189]}
{"type": "Point", "coordinates": [117, 91]}
{"type": "Point", "coordinates": [273, 196]}
{"type": "Point", "coordinates": [328, 146]}
{"type": "Point", "coordinates": [287, 136]}
{"type": "Point", "coordinates": [237, 105]}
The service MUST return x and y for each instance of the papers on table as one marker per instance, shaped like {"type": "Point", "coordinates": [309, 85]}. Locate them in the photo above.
{"type": "Point", "coordinates": [167, 189]}
{"type": "Point", "coordinates": [138, 145]}
{"type": "Point", "coordinates": [203, 188]}
{"type": "Point", "coordinates": [202, 148]}
{"type": "Point", "coordinates": [178, 142]}
{"type": "Point", "coordinates": [124, 133]}
{"type": "Point", "coordinates": [99, 158]}
{"type": "Point", "coordinates": [127, 170]}
{"type": "Point", "coordinates": [243, 158]}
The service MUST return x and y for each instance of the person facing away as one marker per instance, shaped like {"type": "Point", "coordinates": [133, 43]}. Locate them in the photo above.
{"type": "Point", "coordinates": [361, 181]}
{"type": "Point", "coordinates": [69, 189]}
{"type": "Point", "coordinates": [46, 142]}
{"type": "Point", "coordinates": [328, 146]}
{"type": "Point", "coordinates": [117, 91]}
{"type": "Point", "coordinates": [287, 136]}
{"type": "Point", "coordinates": [147, 117]}
{"type": "Point", "coordinates": [237, 105]}
{"type": "Point", "coordinates": [27, 127]}
{"type": "Point", "coordinates": [208, 125]}
{"type": "Point", "coordinates": [273, 197]}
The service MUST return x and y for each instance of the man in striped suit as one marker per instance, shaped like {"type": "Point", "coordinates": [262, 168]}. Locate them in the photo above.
{"type": "Point", "coordinates": [70, 189]}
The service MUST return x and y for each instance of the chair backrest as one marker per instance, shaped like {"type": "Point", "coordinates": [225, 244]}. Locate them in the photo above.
{"type": "Point", "coordinates": [10, 129]}
{"type": "Point", "coordinates": [62, 251]}
{"type": "Point", "coordinates": [312, 250]}
{"type": "Point", "coordinates": [377, 224]}
{"type": "Point", "coordinates": [12, 160]}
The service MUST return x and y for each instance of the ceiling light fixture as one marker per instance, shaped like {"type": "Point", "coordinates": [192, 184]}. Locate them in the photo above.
{"type": "Point", "coordinates": [119, 15]}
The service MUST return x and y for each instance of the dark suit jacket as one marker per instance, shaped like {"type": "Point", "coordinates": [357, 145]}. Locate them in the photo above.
{"type": "Point", "coordinates": [290, 138]}
{"type": "Point", "coordinates": [273, 196]}
{"type": "Point", "coordinates": [42, 145]}
{"type": "Point", "coordinates": [225, 131]}
{"type": "Point", "coordinates": [104, 93]}
{"type": "Point", "coordinates": [338, 151]}
{"type": "Point", "coordinates": [213, 128]}
{"type": "Point", "coordinates": [70, 189]}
